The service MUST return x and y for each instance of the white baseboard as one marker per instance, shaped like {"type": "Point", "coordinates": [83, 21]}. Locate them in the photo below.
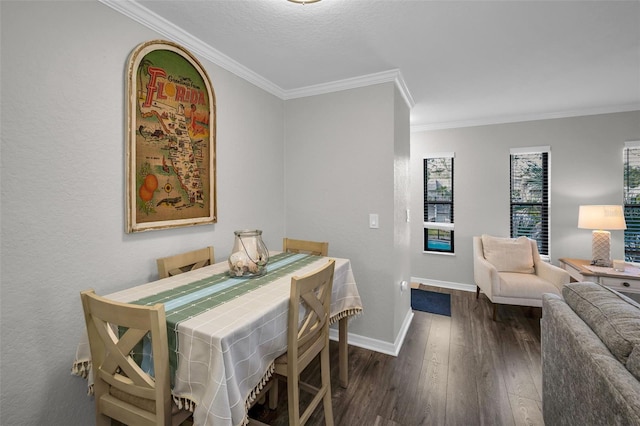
{"type": "Point", "coordinates": [394, 348]}
{"type": "Point", "coordinates": [375, 344]}
{"type": "Point", "coordinates": [444, 284]}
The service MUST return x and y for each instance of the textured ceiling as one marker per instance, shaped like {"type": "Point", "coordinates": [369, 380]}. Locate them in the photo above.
{"type": "Point", "coordinates": [463, 62]}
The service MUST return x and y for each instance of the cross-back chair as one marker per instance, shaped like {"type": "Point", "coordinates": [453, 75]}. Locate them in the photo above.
{"type": "Point", "coordinates": [183, 262]}
{"type": "Point", "coordinates": [303, 246]}
{"type": "Point", "coordinates": [306, 339]}
{"type": "Point", "coordinates": [123, 391]}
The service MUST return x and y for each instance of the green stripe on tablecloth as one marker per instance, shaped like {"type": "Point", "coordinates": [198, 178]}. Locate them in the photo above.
{"type": "Point", "coordinates": [195, 286]}
{"type": "Point", "coordinates": [228, 292]}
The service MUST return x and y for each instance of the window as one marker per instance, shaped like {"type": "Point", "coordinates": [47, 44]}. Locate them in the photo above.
{"type": "Point", "coordinates": [530, 195]}
{"type": "Point", "coordinates": [632, 201]}
{"type": "Point", "coordinates": [438, 203]}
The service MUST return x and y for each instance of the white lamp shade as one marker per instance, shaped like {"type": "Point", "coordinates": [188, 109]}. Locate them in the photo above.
{"type": "Point", "coordinates": [609, 217]}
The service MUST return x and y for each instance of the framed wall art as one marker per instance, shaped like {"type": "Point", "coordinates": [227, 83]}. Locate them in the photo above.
{"type": "Point", "coordinates": [170, 155]}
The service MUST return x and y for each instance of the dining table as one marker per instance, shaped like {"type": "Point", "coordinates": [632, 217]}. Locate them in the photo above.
{"type": "Point", "coordinates": [225, 332]}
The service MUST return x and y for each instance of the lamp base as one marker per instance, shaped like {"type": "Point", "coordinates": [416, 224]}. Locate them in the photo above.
{"type": "Point", "coordinates": [601, 248]}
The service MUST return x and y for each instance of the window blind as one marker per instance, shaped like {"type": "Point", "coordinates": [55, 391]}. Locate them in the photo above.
{"type": "Point", "coordinates": [438, 203]}
{"type": "Point", "coordinates": [632, 201]}
{"type": "Point", "coordinates": [529, 185]}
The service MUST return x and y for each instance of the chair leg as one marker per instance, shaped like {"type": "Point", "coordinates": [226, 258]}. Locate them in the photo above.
{"type": "Point", "coordinates": [326, 384]}
{"type": "Point", "coordinates": [102, 420]}
{"type": "Point", "coordinates": [293, 400]}
{"type": "Point", "coordinates": [273, 394]}
{"type": "Point", "coordinates": [477, 292]}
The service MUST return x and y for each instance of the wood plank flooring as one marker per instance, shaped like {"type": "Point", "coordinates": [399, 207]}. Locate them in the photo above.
{"type": "Point", "coordinates": [460, 370]}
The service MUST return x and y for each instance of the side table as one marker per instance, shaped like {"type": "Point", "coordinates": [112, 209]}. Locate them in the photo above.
{"type": "Point", "coordinates": [627, 282]}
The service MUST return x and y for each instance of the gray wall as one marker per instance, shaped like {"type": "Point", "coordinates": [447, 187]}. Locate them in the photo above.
{"type": "Point", "coordinates": [63, 67]}
{"type": "Point", "coordinates": [401, 205]}
{"type": "Point", "coordinates": [62, 176]}
{"type": "Point", "coordinates": [340, 165]}
{"type": "Point", "coordinates": [586, 168]}
{"type": "Point", "coordinates": [63, 132]}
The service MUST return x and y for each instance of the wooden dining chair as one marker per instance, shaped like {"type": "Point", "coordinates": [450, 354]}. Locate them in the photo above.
{"type": "Point", "coordinates": [183, 262]}
{"type": "Point", "coordinates": [306, 339]}
{"type": "Point", "coordinates": [123, 391]}
{"type": "Point", "coordinates": [304, 246]}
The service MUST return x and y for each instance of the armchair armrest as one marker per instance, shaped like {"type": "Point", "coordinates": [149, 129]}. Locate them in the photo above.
{"type": "Point", "coordinates": [554, 274]}
{"type": "Point", "coordinates": [485, 276]}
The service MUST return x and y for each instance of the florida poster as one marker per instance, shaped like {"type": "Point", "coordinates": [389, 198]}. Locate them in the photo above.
{"type": "Point", "coordinates": [171, 143]}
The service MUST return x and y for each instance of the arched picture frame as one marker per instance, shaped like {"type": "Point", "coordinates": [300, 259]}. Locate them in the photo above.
{"type": "Point", "coordinates": [170, 155]}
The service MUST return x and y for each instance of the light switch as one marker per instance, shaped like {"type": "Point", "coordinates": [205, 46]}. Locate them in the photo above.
{"type": "Point", "coordinates": [373, 220]}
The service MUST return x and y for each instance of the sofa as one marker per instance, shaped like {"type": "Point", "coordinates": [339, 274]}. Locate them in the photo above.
{"type": "Point", "coordinates": [590, 342]}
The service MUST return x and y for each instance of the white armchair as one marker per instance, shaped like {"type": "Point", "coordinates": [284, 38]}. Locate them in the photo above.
{"type": "Point", "coordinates": [509, 271]}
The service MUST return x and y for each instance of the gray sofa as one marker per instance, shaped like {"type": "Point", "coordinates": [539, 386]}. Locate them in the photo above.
{"type": "Point", "coordinates": [590, 357]}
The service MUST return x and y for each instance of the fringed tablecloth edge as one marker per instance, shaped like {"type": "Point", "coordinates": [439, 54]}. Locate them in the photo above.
{"type": "Point", "coordinates": [83, 369]}
{"type": "Point", "coordinates": [351, 312]}
{"type": "Point", "coordinates": [256, 391]}
{"type": "Point", "coordinates": [184, 402]}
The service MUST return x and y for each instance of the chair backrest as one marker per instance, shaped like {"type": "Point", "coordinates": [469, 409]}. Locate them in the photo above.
{"type": "Point", "coordinates": [183, 262]}
{"type": "Point", "coordinates": [123, 391]}
{"type": "Point", "coordinates": [508, 254]}
{"type": "Point", "coordinates": [303, 246]}
{"type": "Point", "coordinates": [307, 336]}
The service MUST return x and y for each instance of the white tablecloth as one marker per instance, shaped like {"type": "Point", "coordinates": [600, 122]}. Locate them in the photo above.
{"type": "Point", "coordinates": [226, 354]}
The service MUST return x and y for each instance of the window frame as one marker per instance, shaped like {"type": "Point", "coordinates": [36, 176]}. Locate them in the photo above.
{"type": "Point", "coordinates": [544, 238]}
{"type": "Point", "coordinates": [631, 210]}
{"type": "Point", "coordinates": [431, 227]}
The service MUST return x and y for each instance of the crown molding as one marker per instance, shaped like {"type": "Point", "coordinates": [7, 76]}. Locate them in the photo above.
{"type": "Point", "coordinates": [394, 76]}
{"type": "Point", "coordinates": [176, 34]}
{"type": "Point", "coordinates": [525, 117]}
{"type": "Point", "coordinates": [404, 90]}
{"type": "Point", "coordinates": [151, 20]}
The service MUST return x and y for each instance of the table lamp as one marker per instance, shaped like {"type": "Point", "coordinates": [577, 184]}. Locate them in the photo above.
{"type": "Point", "coordinates": [601, 219]}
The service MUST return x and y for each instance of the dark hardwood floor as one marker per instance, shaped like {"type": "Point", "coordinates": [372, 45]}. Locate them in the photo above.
{"type": "Point", "coordinates": [460, 370]}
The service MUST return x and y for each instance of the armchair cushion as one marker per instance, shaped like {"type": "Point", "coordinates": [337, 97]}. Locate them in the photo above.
{"type": "Point", "coordinates": [509, 254]}
{"type": "Point", "coordinates": [515, 285]}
